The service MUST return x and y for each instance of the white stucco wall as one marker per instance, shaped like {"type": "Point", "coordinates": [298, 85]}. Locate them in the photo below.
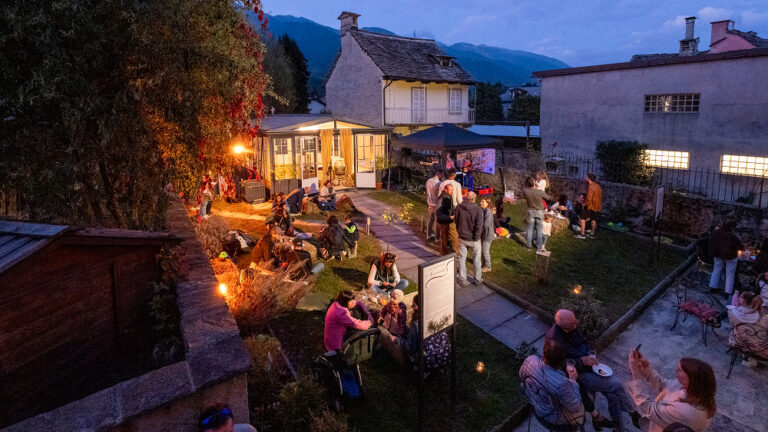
{"type": "Point", "coordinates": [397, 100]}
{"type": "Point", "coordinates": [353, 90]}
{"type": "Point", "coordinates": [578, 110]}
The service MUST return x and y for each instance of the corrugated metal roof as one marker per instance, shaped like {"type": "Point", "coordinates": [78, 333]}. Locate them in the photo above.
{"type": "Point", "coordinates": [21, 239]}
{"type": "Point", "coordinates": [287, 122]}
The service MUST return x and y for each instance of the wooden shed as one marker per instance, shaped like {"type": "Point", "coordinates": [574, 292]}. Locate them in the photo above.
{"type": "Point", "coordinates": [73, 312]}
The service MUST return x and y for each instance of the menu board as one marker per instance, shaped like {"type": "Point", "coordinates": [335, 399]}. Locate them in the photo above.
{"type": "Point", "coordinates": [437, 280]}
{"type": "Point", "coordinates": [482, 160]}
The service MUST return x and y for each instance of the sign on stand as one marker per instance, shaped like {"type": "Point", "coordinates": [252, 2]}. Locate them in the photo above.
{"type": "Point", "coordinates": [437, 309]}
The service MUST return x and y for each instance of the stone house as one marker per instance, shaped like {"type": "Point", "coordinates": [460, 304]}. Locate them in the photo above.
{"type": "Point", "coordinates": [387, 80]}
{"type": "Point", "coordinates": [508, 97]}
{"type": "Point", "coordinates": [694, 109]}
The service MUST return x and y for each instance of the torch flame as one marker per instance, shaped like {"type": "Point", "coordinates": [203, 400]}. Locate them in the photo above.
{"type": "Point", "coordinates": [577, 289]}
{"type": "Point", "coordinates": [223, 288]}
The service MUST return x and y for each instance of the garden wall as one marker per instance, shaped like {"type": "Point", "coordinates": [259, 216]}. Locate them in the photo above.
{"type": "Point", "coordinates": [170, 398]}
{"type": "Point", "coordinates": [683, 215]}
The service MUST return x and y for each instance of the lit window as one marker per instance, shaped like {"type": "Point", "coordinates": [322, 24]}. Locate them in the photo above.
{"type": "Point", "coordinates": [744, 165]}
{"type": "Point", "coordinates": [666, 159]}
{"type": "Point", "coordinates": [283, 151]}
{"type": "Point", "coordinates": [681, 103]}
{"type": "Point", "coordinates": [336, 146]}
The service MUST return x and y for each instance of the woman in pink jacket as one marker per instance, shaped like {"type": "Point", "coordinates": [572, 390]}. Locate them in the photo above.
{"type": "Point", "coordinates": [338, 319]}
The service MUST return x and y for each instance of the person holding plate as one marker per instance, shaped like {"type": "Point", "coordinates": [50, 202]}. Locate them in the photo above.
{"type": "Point", "coordinates": [594, 377]}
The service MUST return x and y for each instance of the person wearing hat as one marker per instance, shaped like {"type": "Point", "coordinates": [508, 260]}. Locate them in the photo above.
{"type": "Point", "coordinates": [393, 315]}
{"type": "Point", "coordinates": [264, 251]}
{"type": "Point", "coordinates": [300, 262]}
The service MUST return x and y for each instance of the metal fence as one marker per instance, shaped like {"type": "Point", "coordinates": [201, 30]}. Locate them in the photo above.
{"type": "Point", "coordinates": [700, 182]}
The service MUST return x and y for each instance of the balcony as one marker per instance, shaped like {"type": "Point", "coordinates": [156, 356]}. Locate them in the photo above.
{"type": "Point", "coordinates": [407, 116]}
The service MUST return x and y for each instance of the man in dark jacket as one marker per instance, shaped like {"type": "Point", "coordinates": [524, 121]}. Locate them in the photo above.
{"type": "Point", "coordinates": [469, 224]}
{"type": "Point", "coordinates": [300, 262]}
{"type": "Point", "coordinates": [566, 332]}
{"type": "Point", "coordinates": [724, 248]}
{"type": "Point", "coordinates": [295, 200]}
{"type": "Point", "coordinates": [331, 239]}
{"type": "Point", "coordinates": [445, 222]}
{"type": "Point", "coordinates": [534, 199]}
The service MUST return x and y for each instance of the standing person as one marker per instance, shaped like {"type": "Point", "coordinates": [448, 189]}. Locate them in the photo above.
{"type": "Point", "coordinates": [542, 180]}
{"type": "Point", "coordinates": [546, 231]}
{"type": "Point", "coordinates": [445, 216]}
{"type": "Point", "coordinates": [724, 248]}
{"type": "Point", "coordinates": [565, 331]}
{"type": "Point", "coordinates": [489, 232]}
{"type": "Point", "coordinates": [433, 196]}
{"type": "Point", "coordinates": [206, 197]}
{"type": "Point", "coordinates": [456, 194]}
{"type": "Point", "coordinates": [222, 185]}
{"type": "Point", "coordinates": [593, 205]}
{"type": "Point", "coordinates": [295, 200]}
{"type": "Point", "coordinates": [689, 400]}
{"type": "Point", "coordinates": [469, 224]}
{"type": "Point", "coordinates": [534, 199]}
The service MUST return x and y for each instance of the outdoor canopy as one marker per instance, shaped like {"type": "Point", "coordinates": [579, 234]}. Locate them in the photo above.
{"type": "Point", "coordinates": [446, 137]}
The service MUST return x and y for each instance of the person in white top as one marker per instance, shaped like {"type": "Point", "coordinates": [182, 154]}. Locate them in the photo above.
{"type": "Point", "coordinates": [542, 180]}
{"type": "Point", "coordinates": [456, 188]}
{"type": "Point", "coordinates": [546, 231]}
{"type": "Point", "coordinates": [384, 276]}
{"type": "Point", "coordinates": [688, 401]}
{"type": "Point", "coordinates": [433, 193]}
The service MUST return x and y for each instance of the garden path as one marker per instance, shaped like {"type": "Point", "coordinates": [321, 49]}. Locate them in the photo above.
{"type": "Point", "coordinates": [497, 316]}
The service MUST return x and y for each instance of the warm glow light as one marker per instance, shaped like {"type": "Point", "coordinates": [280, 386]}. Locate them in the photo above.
{"type": "Point", "coordinates": [577, 289]}
{"type": "Point", "coordinates": [223, 288]}
{"type": "Point", "coordinates": [667, 159]}
{"type": "Point", "coordinates": [238, 149]}
{"type": "Point", "coordinates": [744, 165]}
{"type": "Point", "coordinates": [480, 367]}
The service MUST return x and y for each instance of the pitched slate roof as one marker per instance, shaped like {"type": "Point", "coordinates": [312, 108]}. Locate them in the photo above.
{"type": "Point", "coordinates": [751, 37]}
{"type": "Point", "coordinates": [406, 58]}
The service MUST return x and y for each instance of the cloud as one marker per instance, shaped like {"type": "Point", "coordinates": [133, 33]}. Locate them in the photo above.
{"type": "Point", "coordinates": [709, 14]}
{"type": "Point", "coordinates": [749, 18]}
{"type": "Point", "coordinates": [674, 24]}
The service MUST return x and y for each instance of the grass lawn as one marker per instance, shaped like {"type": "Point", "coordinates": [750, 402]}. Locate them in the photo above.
{"type": "Point", "coordinates": [613, 265]}
{"type": "Point", "coordinates": [391, 403]}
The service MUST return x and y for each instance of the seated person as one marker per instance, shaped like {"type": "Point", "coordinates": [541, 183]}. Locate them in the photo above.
{"type": "Point", "coordinates": [282, 219]}
{"type": "Point", "coordinates": [749, 311]}
{"type": "Point", "coordinates": [554, 395]}
{"type": "Point", "coordinates": [565, 331]}
{"type": "Point", "coordinates": [393, 316]}
{"type": "Point", "coordinates": [219, 418]}
{"type": "Point", "coordinates": [299, 262]}
{"type": "Point", "coordinates": [405, 348]}
{"type": "Point", "coordinates": [278, 200]}
{"type": "Point", "coordinates": [579, 212]}
{"type": "Point", "coordinates": [295, 200]}
{"type": "Point", "coordinates": [338, 319]}
{"type": "Point", "coordinates": [351, 235]}
{"type": "Point", "coordinates": [326, 192]}
{"type": "Point", "coordinates": [331, 239]}
{"type": "Point", "coordinates": [563, 206]}
{"type": "Point", "coordinates": [264, 251]}
{"type": "Point", "coordinates": [384, 275]}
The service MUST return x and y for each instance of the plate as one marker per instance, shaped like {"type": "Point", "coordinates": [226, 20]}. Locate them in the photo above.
{"type": "Point", "coordinates": [602, 370]}
{"type": "Point", "coordinates": [560, 217]}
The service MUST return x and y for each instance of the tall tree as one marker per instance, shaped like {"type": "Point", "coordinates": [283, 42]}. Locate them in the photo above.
{"type": "Point", "coordinates": [525, 108]}
{"type": "Point", "coordinates": [489, 102]}
{"type": "Point", "coordinates": [300, 73]}
{"type": "Point", "coordinates": [281, 91]}
{"type": "Point", "coordinates": [103, 102]}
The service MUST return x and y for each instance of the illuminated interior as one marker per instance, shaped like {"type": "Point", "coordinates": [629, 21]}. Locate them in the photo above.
{"type": "Point", "coordinates": [667, 159]}
{"type": "Point", "coordinates": [744, 165]}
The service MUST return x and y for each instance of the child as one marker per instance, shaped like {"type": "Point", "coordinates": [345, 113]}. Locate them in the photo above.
{"type": "Point", "coordinates": [546, 231]}
{"type": "Point", "coordinates": [351, 235]}
{"type": "Point", "coordinates": [542, 180]}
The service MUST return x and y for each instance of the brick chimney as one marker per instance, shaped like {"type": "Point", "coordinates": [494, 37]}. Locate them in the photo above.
{"type": "Point", "coordinates": [720, 30]}
{"type": "Point", "coordinates": [348, 21]}
{"type": "Point", "coordinates": [689, 45]}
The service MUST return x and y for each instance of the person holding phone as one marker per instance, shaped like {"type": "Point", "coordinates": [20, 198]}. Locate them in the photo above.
{"type": "Point", "coordinates": [689, 400]}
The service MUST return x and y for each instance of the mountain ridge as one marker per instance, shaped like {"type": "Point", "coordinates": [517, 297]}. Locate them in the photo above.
{"type": "Point", "coordinates": [320, 44]}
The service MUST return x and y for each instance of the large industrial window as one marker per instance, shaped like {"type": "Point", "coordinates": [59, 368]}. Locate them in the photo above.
{"type": "Point", "coordinates": [667, 159]}
{"type": "Point", "coordinates": [681, 103]}
{"type": "Point", "coordinates": [744, 165]}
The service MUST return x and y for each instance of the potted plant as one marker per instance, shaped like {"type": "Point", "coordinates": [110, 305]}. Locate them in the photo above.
{"type": "Point", "coordinates": [381, 165]}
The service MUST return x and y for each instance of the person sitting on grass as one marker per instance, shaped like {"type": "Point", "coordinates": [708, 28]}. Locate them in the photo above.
{"type": "Point", "coordinates": [405, 349]}
{"type": "Point", "coordinates": [563, 206]}
{"type": "Point", "coordinates": [282, 219]}
{"type": "Point", "coordinates": [338, 319]}
{"type": "Point", "coordinates": [278, 200]}
{"type": "Point", "coordinates": [393, 316]}
{"type": "Point", "coordinates": [264, 251]}
{"type": "Point", "coordinates": [299, 262]}
{"type": "Point", "coordinates": [384, 276]}
{"type": "Point", "coordinates": [351, 235]}
{"type": "Point", "coordinates": [326, 192]}
{"type": "Point", "coordinates": [555, 396]}
{"type": "Point", "coordinates": [218, 417]}
{"type": "Point", "coordinates": [689, 400]}
{"type": "Point", "coordinates": [331, 239]}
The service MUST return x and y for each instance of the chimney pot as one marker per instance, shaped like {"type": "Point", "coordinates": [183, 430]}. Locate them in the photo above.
{"type": "Point", "coordinates": [348, 21]}
{"type": "Point", "coordinates": [689, 45]}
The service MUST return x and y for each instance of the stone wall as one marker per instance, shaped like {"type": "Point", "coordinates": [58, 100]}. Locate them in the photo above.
{"type": "Point", "coordinates": [171, 398]}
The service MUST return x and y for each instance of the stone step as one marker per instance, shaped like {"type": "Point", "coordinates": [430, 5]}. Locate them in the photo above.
{"type": "Point", "coordinates": [490, 311]}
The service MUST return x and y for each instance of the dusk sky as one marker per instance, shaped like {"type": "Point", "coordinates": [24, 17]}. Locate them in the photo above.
{"type": "Point", "coordinates": [578, 32]}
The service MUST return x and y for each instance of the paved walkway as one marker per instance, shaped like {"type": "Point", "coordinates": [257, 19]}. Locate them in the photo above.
{"type": "Point", "coordinates": [482, 306]}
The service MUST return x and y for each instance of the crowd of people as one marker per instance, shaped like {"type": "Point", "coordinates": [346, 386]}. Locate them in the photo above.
{"type": "Point", "coordinates": [561, 385]}
{"type": "Point", "coordinates": [223, 185]}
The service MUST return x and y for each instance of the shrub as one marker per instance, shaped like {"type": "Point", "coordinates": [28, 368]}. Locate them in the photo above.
{"type": "Point", "coordinates": [523, 351]}
{"type": "Point", "coordinates": [329, 421]}
{"type": "Point", "coordinates": [164, 315]}
{"type": "Point", "coordinates": [624, 162]}
{"type": "Point", "coordinates": [211, 233]}
{"type": "Point", "coordinates": [260, 297]}
{"type": "Point", "coordinates": [298, 400]}
{"type": "Point", "coordinates": [588, 310]}
{"type": "Point", "coordinates": [267, 370]}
